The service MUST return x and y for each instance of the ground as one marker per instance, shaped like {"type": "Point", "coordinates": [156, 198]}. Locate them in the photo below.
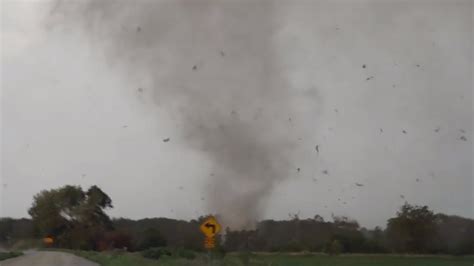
{"type": "Point", "coordinates": [122, 259]}
{"type": "Point", "coordinates": [47, 258]}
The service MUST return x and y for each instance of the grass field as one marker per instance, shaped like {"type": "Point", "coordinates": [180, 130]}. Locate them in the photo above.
{"type": "Point", "coordinates": [123, 259]}
{"type": "Point", "coordinates": [8, 255]}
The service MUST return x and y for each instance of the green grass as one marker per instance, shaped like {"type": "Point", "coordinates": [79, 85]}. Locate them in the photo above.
{"type": "Point", "coordinates": [8, 255]}
{"type": "Point", "coordinates": [361, 260]}
{"type": "Point", "coordinates": [127, 259]}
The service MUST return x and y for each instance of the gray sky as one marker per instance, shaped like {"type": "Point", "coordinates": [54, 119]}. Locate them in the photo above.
{"type": "Point", "coordinates": [71, 115]}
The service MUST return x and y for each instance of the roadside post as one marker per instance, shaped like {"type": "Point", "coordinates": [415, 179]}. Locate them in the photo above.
{"type": "Point", "coordinates": [210, 228]}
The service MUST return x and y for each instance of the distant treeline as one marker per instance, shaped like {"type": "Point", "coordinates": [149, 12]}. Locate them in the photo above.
{"type": "Point", "coordinates": [447, 235]}
{"type": "Point", "coordinates": [79, 222]}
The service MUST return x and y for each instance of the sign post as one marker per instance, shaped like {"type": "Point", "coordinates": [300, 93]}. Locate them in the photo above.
{"type": "Point", "coordinates": [210, 228]}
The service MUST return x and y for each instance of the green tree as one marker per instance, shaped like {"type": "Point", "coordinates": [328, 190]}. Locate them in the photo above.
{"type": "Point", "coordinates": [74, 218]}
{"type": "Point", "coordinates": [152, 238]}
{"type": "Point", "coordinates": [413, 230]}
{"type": "Point", "coordinates": [334, 247]}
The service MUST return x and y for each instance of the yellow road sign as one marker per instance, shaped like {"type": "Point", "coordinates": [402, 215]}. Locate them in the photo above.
{"type": "Point", "coordinates": [210, 227]}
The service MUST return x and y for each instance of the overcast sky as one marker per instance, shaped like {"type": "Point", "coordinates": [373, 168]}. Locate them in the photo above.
{"type": "Point", "coordinates": [393, 114]}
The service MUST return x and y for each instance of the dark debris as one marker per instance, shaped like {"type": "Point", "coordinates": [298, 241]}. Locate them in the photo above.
{"type": "Point", "coordinates": [166, 140]}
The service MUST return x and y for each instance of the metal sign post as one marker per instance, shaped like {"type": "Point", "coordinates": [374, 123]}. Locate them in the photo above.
{"type": "Point", "coordinates": [210, 228]}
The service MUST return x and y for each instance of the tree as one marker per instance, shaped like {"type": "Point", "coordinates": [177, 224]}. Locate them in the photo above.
{"type": "Point", "coordinates": [413, 230]}
{"type": "Point", "coordinates": [74, 218]}
{"type": "Point", "coordinates": [152, 238]}
{"type": "Point", "coordinates": [334, 247]}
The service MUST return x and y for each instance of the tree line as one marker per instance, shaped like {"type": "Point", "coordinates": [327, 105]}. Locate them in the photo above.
{"type": "Point", "coordinates": [76, 219]}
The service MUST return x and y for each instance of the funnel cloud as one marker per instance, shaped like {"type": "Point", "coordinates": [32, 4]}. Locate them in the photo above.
{"type": "Point", "coordinates": [214, 67]}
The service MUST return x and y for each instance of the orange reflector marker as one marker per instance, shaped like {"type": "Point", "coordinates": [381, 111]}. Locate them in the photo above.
{"type": "Point", "coordinates": [209, 242]}
{"type": "Point", "coordinates": [48, 240]}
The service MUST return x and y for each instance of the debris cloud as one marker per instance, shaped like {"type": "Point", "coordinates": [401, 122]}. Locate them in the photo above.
{"type": "Point", "coordinates": [233, 106]}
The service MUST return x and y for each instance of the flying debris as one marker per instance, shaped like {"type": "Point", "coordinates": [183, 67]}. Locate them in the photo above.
{"type": "Point", "coordinates": [140, 90]}
{"type": "Point", "coordinates": [314, 179]}
{"type": "Point", "coordinates": [463, 138]}
{"type": "Point", "coordinates": [317, 148]}
{"type": "Point", "coordinates": [364, 66]}
{"type": "Point", "coordinates": [359, 184]}
{"type": "Point", "coordinates": [336, 110]}
{"type": "Point", "coordinates": [222, 53]}
{"type": "Point", "coordinates": [402, 197]}
{"type": "Point", "coordinates": [437, 129]}
{"type": "Point", "coordinates": [139, 29]}
{"type": "Point", "coordinates": [417, 180]}
{"type": "Point", "coordinates": [195, 67]}
{"type": "Point", "coordinates": [180, 187]}
{"type": "Point", "coordinates": [462, 130]}
{"type": "Point", "coordinates": [369, 78]}
{"type": "Point", "coordinates": [381, 130]}
{"type": "Point", "coordinates": [417, 65]}
{"type": "Point", "coordinates": [166, 140]}
{"type": "Point", "coordinates": [404, 131]}
{"type": "Point", "coordinates": [326, 172]}
{"type": "Point", "coordinates": [298, 169]}
{"type": "Point", "coordinates": [124, 126]}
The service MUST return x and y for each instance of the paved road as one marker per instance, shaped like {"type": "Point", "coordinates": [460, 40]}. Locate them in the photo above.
{"type": "Point", "coordinates": [47, 258]}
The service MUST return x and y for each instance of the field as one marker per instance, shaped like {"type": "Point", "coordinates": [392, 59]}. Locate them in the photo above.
{"type": "Point", "coordinates": [7, 255]}
{"type": "Point", "coordinates": [122, 259]}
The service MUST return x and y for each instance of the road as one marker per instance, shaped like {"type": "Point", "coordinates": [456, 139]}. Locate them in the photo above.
{"type": "Point", "coordinates": [47, 258]}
